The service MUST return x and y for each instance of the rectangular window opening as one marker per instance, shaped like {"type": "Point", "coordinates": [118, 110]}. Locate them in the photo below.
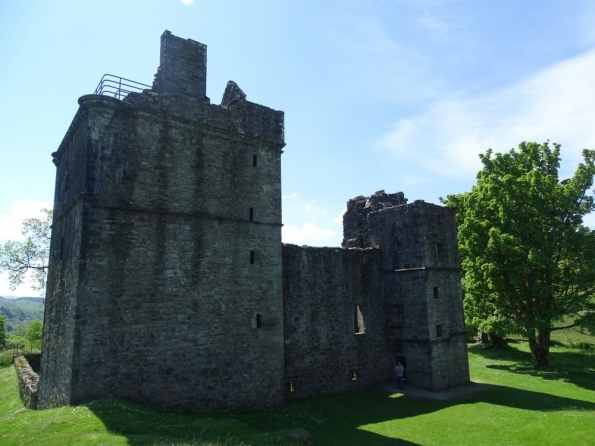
{"type": "Point", "coordinates": [61, 247]}
{"type": "Point", "coordinates": [436, 293]}
{"type": "Point", "coordinates": [353, 375]}
{"type": "Point", "coordinates": [438, 331]}
{"type": "Point", "coordinates": [358, 320]}
{"type": "Point", "coordinates": [251, 212]}
{"type": "Point", "coordinates": [251, 257]}
{"type": "Point", "coordinates": [290, 386]}
{"type": "Point", "coordinates": [255, 160]}
{"type": "Point", "coordinates": [258, 320]}
{"type": "Point", "coordinates": [438, 250]}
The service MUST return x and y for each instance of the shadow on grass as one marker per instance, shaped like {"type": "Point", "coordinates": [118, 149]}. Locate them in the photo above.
{"type": "Point", "coordinates": [350, 418]}
{"type": "Point", "coordinates": [575, 368]}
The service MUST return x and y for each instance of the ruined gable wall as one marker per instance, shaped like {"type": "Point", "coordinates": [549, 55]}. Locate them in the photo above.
{"type": "Point", "coordinates": [321, 287]}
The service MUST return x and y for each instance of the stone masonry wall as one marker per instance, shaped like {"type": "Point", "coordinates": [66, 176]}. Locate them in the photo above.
{"type": "Point", "coordinates": [321, 288]}
{"type": "Point", "coordinates": [169, 284]}
{"type": "Point", "coordinates": [177, 295]}
{"type": "Point", "coordinates": [64, 263]}
{"type": "Point", "coordinates": [422, 273]}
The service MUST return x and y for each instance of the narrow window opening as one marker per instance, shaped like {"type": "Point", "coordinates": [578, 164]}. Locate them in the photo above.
{"type": "Point", "coordinates": [358, 320]}
{"type": "Point", "coordinates": [255, 160]}
{"type": "Point", "coordinates": [353, 375]}
{"type": "Point", "coordinates": [251, 257]}
{"type": "Point", "coordinates": [438, 331]}
{"type": "Point", "coordinates": [251, 214]}
{"type": "Point", "coordinates": [290, 387]}
{"type": "Point", "coordinates": [436, 293]}
{"type": "Point", "coordinates": [67, 181]}
{"type": "Point", "coordinates": [258, 320]}
{"type": "Point", "coordinates": [438, 250]}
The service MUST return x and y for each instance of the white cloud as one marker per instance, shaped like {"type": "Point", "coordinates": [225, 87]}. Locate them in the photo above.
{"type": "Point", "coordinates": [308, 234]}
{"type": "Point", "coordinates": [557, 104]}
{"type": "Point", "coordinates": [187, 2]}
{"type": "Point", "coordinates": [11, 223]}
{"type": "Point", "coordinates": [312, 209]}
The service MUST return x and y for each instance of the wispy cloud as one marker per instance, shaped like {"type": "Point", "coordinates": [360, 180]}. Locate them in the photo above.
{"type": "Point", "coordinates": [11, 222]}
{"type": "Point", "coordinates": [310, 224]}
{"type": "Point", "coordinates": [308, 234]}
{"type": "Point", "coordinates": [557, 103]}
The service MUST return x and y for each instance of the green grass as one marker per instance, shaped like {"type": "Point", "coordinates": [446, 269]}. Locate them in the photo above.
{"type": "Point", "coordinates": [519, 406]}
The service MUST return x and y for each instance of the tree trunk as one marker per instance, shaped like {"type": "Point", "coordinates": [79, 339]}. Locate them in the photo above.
{"type": "Point", "coordinates": [540, 349]}
{"type": "Point", "coordinates": [497, 341]}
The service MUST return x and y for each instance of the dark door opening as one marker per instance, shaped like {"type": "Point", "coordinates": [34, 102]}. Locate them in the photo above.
{"type": "Point", "coordinates": [401, 359]}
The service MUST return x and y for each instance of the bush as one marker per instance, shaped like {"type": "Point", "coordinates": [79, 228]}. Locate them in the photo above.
{"type": "Point", "coordinates": [5, 358]}
{"type": "Point", "coordinates": [582, 345]}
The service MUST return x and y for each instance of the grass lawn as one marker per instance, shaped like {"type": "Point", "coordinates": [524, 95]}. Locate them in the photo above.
{"type": "Point", "coordinates": [520, 406]}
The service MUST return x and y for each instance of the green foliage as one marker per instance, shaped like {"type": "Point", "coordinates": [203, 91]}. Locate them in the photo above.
{"type": "Point", "coordinates": [3, 333]}
{"type": "Point", "coordinates": [15, 343]}
{"type": "Point", "coordinates": [516, 405]}
{"type": "Point", "coordinates": [528, 260]}
{"type": "Point", "coordinates": [31, 255]}
{"type": "Point", "coordinates": [582, 345]}
{"type": "Point", "coordinates": [20, 312]}
{"type": "Point", "coordinates": [5, 358]}
{"type": "Point", "coordinates": [34, 334]}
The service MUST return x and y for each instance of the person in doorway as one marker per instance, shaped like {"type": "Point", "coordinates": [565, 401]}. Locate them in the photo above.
{"type": "Point", "coordinates": [399, 372]}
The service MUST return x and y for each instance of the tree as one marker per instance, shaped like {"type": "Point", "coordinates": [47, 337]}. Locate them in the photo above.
{"type": "Point", "coordinates": [528, 260]}
{"type": "Point", "coordinates": [34, 334]}
{"type": "Point", "coordinates": [19, 258]}
{"type": "Point", "coordinates": [3, 333]}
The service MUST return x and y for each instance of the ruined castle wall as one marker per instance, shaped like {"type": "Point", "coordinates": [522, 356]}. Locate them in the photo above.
{"type": "Point", "coordinates": [62, 282]}
{"type": "Point", "coordinates": [168, 265]}
{"type": "Point", "coordinates": [178, 296]}
{"type": "Point", "coordinates": [422, 278]}
{"type": "Point", "coordinates": [445, 298]}
{"type": "Point", "coordinates": [321, 288]}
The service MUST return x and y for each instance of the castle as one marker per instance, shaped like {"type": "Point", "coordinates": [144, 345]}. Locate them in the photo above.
{"type": "Point", "coordinates": [169, 283]}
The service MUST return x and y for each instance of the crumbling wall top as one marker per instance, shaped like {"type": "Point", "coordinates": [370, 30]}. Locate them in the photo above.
{"type": "Point", "coordinates": [355, 219]}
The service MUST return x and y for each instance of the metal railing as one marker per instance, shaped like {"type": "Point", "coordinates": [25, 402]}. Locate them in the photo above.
{"type": "Point", "coordinates": [118, 87]}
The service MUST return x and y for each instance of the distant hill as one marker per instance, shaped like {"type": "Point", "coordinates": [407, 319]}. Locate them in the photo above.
{"type": "Point", "coordinates": [21, 311]}
{"type": "Point", "coordinates": [38, 300]}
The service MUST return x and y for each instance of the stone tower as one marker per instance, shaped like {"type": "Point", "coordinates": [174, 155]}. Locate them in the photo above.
{"type": "Point", "coordinates": [421, 277]}
{"type": "Point", "coordinates": [165, 282]}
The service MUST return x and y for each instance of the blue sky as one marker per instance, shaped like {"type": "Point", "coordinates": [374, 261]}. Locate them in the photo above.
{"type": "Point", "coordinates": [382, 94]}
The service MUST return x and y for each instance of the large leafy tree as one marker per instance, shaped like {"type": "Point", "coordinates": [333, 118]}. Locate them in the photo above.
{"type": "Point", "coordinates": [528, 260]}
{"type": "Point", "coordinates": [30, 255]}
